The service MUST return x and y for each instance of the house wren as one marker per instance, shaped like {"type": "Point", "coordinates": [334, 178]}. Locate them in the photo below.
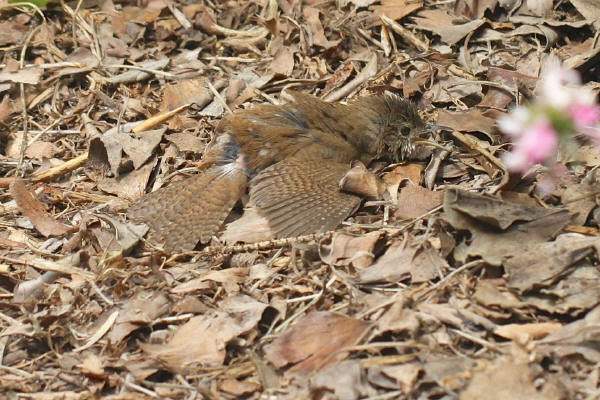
{"type": "Point", "coordinates": [291, 158]}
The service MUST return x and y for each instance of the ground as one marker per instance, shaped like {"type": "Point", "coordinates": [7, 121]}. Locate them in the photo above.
{"type": "Point", "coordinates": [465, 282]}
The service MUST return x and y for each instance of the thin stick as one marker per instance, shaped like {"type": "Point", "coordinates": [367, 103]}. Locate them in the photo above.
{"type": "Point", "coordinates": [24, 102]}
{"type": "Point", "coordinates": [407, 35]}
{"type": "Point", "coordinates": [218, 96]}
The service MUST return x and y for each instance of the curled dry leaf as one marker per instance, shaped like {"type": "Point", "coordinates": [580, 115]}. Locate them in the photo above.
{"type": "Point", "coordinates": [201, 341]}
{"type": "Point", "coordinates": [402, 261]}
{"type": "Point", "coordinates": [35, 211]}
{"type": "Point", "coordinates": [137, 312]}
{"type": "Point", "coordinates": [352, 250]}
{"type": "Point", "coordinates": [541, 265]}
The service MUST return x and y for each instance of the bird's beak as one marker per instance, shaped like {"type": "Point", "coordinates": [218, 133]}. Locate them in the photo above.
{"type": "Point", "coordinates": [434, 127]}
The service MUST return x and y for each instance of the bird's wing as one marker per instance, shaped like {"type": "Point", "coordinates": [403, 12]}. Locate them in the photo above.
{"type": "Point", "coordinates": [300, 195]}
{"type": "Point", "coordinates": [191, 210]}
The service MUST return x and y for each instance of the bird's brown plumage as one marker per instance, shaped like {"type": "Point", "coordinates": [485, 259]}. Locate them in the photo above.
{"type": "Point", "coordinates": [291, 157]}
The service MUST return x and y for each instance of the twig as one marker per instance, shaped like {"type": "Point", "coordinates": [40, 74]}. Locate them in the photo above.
{"type": "Point", "coordinates": [148, 70]}
{"type": "Point", "coordinates": [218, 96]}
{"type": "Point", "coordinates": [407, 35]}
{"type": "Point", "coordinates": [367, 72]}
{"type": "Point", "coordinates": [61, 169]}
{"type": "Point", "coordinates": [24, 102]}
{"type": "Point", "coordinates": [492, 158]}
{"type": "Point", "coordinates": [242, 248]}
{"type": "Point", "coordinates": [158, 119]}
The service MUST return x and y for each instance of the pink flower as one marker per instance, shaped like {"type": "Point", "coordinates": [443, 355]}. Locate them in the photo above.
{"type": "Point", "coordinates": [584, 115]}
{"type": "Point", "coordinates": [536, 145]}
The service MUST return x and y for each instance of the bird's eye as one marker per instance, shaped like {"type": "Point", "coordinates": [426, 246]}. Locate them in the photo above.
{"type": "Point", "coordinates": [405, 131]}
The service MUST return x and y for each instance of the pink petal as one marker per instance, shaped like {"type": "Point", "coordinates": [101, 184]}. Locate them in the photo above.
{"type": "Point", "coordinates": [537, 145]}
{"type": "Point", "coordinates": [585, 115]}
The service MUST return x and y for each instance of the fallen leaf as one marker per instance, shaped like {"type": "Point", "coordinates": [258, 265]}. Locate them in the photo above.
{"type": "Point", "coordinates": [526, 332]}
{"type": "Point", "coordinates": [357, 251]}
{"type": "Point", "coordinates": [505, 379]}
{"type": "Point", "coordinates": [35, 211]}
{"type": "Point", "coordinates": [541, 265]}
{"type": "Point", "coordinates": [401, 261]}
{"type": "Point", "coordinates": [201, 341]}
{"type": "Point", "coordinates": [314, 341]}
{"type": "Point", "coordinates": [187, 142]}
{"type": "Point", "coordinates": [237, 388]}
{"type": "Point", "coordinates": [41, 150]}
{"type": "Point", "coordinates": [472, 120]}
{"type": "Point", "coordinates": [414, 201]}
{"type": "Point", "coordinates": [345, 380]}
{"type": "Point", "coordinates": [136, 312]}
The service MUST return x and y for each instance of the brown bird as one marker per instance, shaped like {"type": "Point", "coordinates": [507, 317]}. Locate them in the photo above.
{"type": "Point", "coordinates": [291, 157]}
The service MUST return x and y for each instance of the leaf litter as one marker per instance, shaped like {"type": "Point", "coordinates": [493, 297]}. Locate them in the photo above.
{"type": "Point", "coordinates": [453, 280]}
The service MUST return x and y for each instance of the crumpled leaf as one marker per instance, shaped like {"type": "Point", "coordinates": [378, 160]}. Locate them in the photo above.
{"type": "Point", "coordinates": [484, 217]}
{"type": "Point", "coordinates": [136, 312]}
{"type": "Point", "coordinates": [401, 261]}
{"type": "Point", "coordinates": [541, 265]}
{"type": "Point", "coordinates": [201, 341]}
{"type": "Point", "coordinates": [507, 379]}
{"type": "Point", "coordinates": [111, 145]}
{"type": "Point", "coordinates": [315, 341]}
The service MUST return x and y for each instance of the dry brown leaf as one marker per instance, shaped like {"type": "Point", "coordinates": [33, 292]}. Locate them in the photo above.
{"type": "Point", "coordinates": [541, 8]}
{"type": "Point", "coordinates": [491, 210]}
{"type": "Point", "coordinates": [6, 107]}
{"type": "Point", "coordinates": [338, 78]}
{"type": "Point", "coordinates": [396, 9]}
{"type": "Point", "coordinates": [186, 142]}
{"type": "Point", "coordinates": [412, 172]}
{"type": "Point", "coordinates": [406, 375]}
{"type": "Point", "coordinates": [506, 379]}
{"type": "Point", "coordinates": [414, 201]}
{"type": "Point", "coordinates": [237, 388]}
{"type": "Point", "coordinates": [317, 33]}
{"type": "Point", "coordinates": [580, 200]}
{"type": "Point", "coordinates": [345, 380]}
{"type": "Point", "coordinates": [472, 120]}
{"type": "Point", "coordinates": [442, 23]}
{"type": "Point", "coordinates": [574, 294]}
{"type": "Point", "coordinates": [92, 366]}
{"type": "Point", "coordinates": [146, 14]}
{"type": "Point", "coordinates": [40, 150]}
{"type": "Point", "coordinates": [30, 76]}
{"type": "Point", "coordinates": [131, 186]}
{"type": "Point", "coordinates": [230, 278]}
{"type": "Point", "coordinates": [526, 332]}
{"type": "Point", "coordinates": [180, 93]}
{"type": "Point", "coordinates": [399, 319]}
{"type": "Point", "coordinates": [541, 265]}
{"type": "Point", "coordinates": [362, 182]}
{"type": "Point", "coordinates": [283, 63]}
{"type": "Point", "coordinates": [139, 311]}
{"type": "Point", "coordinates": [314, 341]}
{"type": "Point", "coordinates": [401, 261]}
{"type": "Point", "coordinates": [201, 341]}
{"type": "Point", "coordinates": [453, 87]}
{"type": "Point", "coordinates": [357, 251]}
{"type": "Point", "coordinates": [35, 211]}
{"type": "Point", "coordinates": [475, 8]}
{"type": "Point", "coordinates": [13, 31]}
